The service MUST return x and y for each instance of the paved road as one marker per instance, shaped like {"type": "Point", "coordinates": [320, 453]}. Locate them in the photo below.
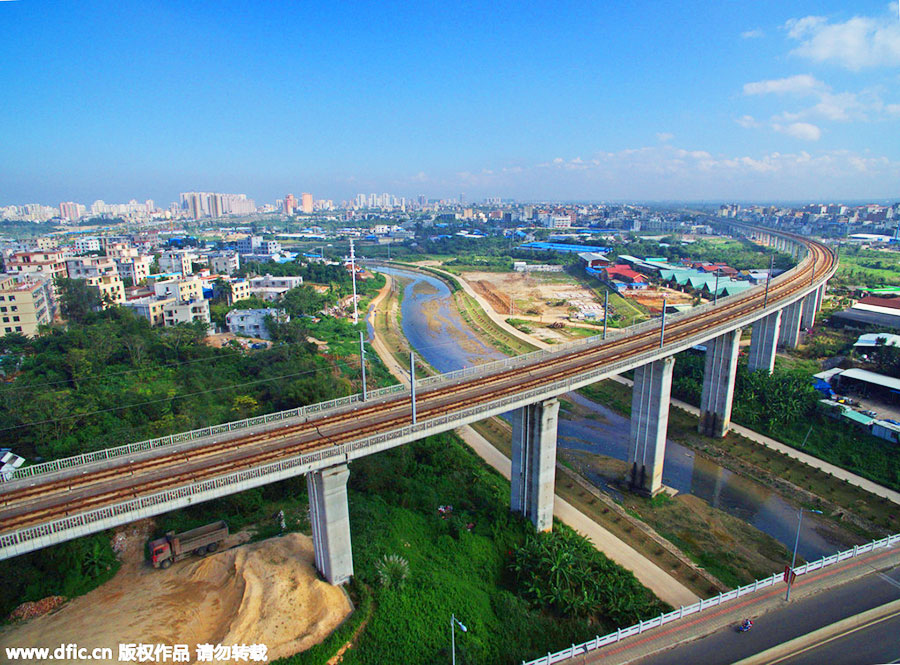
{"type": "Point", "coordinates": [786, 622]}
{"type": "Point", "coordinates": [878, 643]}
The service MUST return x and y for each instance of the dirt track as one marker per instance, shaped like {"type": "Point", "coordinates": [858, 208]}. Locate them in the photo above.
{"type": "Point", "coordinates": [261, 593]}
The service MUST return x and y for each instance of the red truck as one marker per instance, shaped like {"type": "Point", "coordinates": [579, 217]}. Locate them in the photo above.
{"type": "Point", "coordinates": [174, 547]}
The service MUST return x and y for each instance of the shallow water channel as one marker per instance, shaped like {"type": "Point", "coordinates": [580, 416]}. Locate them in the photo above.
{"type": "Point", "coordinates": [446, 342]}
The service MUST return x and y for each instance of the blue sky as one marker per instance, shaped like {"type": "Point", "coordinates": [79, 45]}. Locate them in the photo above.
{"type": "Point", "coordinates": [752, 100]}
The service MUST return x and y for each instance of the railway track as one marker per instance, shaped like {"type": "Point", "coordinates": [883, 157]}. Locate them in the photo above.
{"type": "Point", "coordinates": [77, 492]}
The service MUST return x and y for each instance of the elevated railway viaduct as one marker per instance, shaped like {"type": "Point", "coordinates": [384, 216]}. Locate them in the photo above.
{"type": "Point", "coordinates": [56, 501]}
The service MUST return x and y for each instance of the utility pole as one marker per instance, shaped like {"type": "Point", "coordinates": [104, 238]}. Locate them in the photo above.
{"type": "Point", "coordinates": [362, 364]}
{"type": "Point", "coordinates": [768, 280]}
{"type": "Point", "coordinates": [605, 311]}
{"type": "Point", "coordinates": [412, 384]}
{"type": "Point", "coordinates": [716, 292]}
{"type": "Point", "coordinates": [353, 273]}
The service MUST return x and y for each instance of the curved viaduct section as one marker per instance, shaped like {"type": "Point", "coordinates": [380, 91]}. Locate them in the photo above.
{"type": "Point", "coordinates": [57, 501]}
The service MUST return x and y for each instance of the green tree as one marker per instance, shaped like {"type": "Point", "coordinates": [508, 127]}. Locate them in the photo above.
{"type": "Point", "coordinates": [77, 300]}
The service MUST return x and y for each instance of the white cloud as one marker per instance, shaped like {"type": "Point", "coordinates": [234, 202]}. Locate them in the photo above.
{"type": "Point", "coordinates": [664, 171]}
{"type": "Point", "coordinates": [747, 122]}
{"type": "Point", "coordinates": [799, 84]}
{"type": "Point", "coordinates": [752, 34]}
{"type": "Point", "coordinates": [854, 44]}
{"type": "Point", "coordinates": [664, 137]}
{"type": "Point", "coordinates": [835, 106]}
{"type": "Point", "coordinates": [800, 130]}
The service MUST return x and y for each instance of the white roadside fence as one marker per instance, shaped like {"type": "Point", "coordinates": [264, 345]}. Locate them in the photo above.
{"type": "Point", "coordinates": [643, 626]}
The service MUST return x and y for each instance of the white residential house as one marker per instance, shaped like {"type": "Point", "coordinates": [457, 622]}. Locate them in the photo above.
{"type": "Point", "coordinates": [252, 322]}
{"type": "Point", "coordinates": [256, 245]}
{"type": "Point", "coordinates": [190, 288]}
{"type": "Point", "coordinates": [225, 263]}
{"type": "Point", "coordinates": [87, 244]}
{"type": "Point", "coordinates": [273, 288]}
{"type": "Point", "coordinates": [186, 312]}
{"type": "Point", "coordinates": [178, 260]}
{"type": "Point", "coordinates": [136, 268]}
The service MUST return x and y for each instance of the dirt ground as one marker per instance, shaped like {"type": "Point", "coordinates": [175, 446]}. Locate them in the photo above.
{"type": "Point", "coordinates": [653, 298]}
{"type": "Point", "coordinates": [220, 340]}
{"type": "Point", "coordinates": [261, 593]}
{"type": "Point", "coordinates": [546, 294]}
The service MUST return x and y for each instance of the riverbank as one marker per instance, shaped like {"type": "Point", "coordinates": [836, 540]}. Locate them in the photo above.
{"type": "Point", "coordinates": [669, 576]}
{"type": "Point", "coordinates": [761, 552]}
{"type": "Point", "coordinates": [802, 479]}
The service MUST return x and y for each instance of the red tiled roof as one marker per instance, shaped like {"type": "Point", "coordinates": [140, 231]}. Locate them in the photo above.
{"type": "Point", "coordinates": [881, 302]}
{"type": "Point", "coordinates": [624, 272]}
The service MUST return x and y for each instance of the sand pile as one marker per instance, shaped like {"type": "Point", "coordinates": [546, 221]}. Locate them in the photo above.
{"type": "Point", "coordinates": [262, 593]}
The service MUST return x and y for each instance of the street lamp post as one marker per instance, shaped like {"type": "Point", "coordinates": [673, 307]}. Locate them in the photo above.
{"type": "Point", "coordinates": [790, 577]}
{"type": "Point", "coordinates": [453, 623]}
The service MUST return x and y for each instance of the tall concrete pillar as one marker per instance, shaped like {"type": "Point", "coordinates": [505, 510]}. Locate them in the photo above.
{"type": "Point", "coordinates": [790, 325]}
{"type": "Point", "coordinates": [764, 343]}
{"type": "Point", "coordinates": [820, 296]}
{"type": "Point", "coordinates": [534, 462]}
{"type": "Point", "coordinates": [330, 518]}
{"type": "Point", "coordinates": [718, 384]}
{"type": "Point", "coordinates": [649, 422]}
{"type": "Point", "coordinates": [808, 310]}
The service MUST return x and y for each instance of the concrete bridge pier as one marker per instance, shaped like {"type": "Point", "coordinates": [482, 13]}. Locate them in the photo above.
{"type": "Point", "coordinates": [330, 518]}
{"type": "Point", "coordinates": [790, 325]}
{"type": "Point", "coordinates": [533, 475]}
{"type": "Point", "coordinates": [764, 343]}
{"type": "Point", "coordinates": [820, 296]}
{"type": "Point", "coordinates": [649, 422]}
{"type": "Point", "coordinates": [718, 384]}
{"type": "Point", "coordinates": [809, 309]}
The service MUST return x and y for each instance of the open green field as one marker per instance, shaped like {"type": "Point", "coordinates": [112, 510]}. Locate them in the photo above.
{"type": "Point", "coordinates": [869, 268]}
{"type": "Point", "coordinates": [463, 564]}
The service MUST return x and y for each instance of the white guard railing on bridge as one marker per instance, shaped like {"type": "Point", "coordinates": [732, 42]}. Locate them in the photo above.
{"type": "Point", "coordinates": [621, 633]}
{"type": "Point", "coordinates": [300, 412]}
{"type": "Point", "coordinates": [180, 437]}
{"type": "Point", "coordinates": [335, 454]}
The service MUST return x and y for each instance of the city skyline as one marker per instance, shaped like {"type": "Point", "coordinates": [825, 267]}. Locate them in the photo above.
{"type": "Point", "coordinates": [573, 102]}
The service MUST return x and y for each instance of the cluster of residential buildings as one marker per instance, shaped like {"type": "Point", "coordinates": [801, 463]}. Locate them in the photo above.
{"type": "Point", "coordinates": [177, 289]}
{"type": "Point", "coordinates": [862, 223]}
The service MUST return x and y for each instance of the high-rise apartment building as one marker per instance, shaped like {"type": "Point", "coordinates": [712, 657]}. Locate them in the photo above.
{"type": "Point", "coordinates": [306, 202]}
{"type": "Point", "coordinates": [71, 210]}
{"type": "Point", "coordinates": [215, 206]}
{"type": "Point", "coordinates": [290, 204]}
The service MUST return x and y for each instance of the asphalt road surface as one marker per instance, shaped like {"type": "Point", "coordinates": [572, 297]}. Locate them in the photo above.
{"type": "Point", "coordinates": [877, 643]}
{"type": "Point", "coordinates": [799, 618]}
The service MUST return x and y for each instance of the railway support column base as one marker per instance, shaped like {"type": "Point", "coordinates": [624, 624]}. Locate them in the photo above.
{"type": "Point", "coordinates": [718, 384]}
{"type": "Point", "coordinates": [330, 518]}
{"type": "Point", "coordinates": [649, 422]}
{"type": "Point", "coordinates": [533, 475]}
{"type": "Point", "coordinates": [638, 482]}
{"type": "Point", "coordinates": [764, 343]}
